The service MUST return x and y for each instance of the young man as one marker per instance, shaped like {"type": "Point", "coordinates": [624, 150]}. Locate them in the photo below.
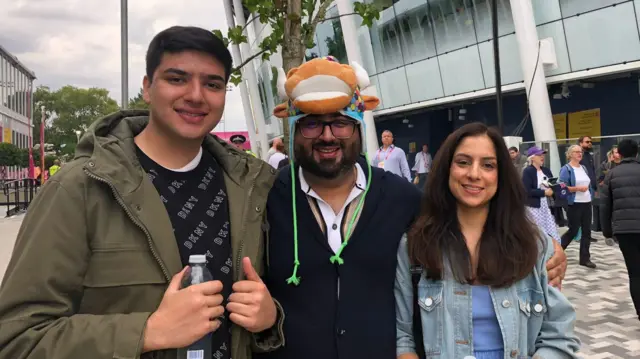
{"type": "Point", "coordinates": [586, 142]}
{"type": "Point", "coordinates": [620, 212]}
{"type": "Point", "coordinates": [97, 267]}
{"type": "Point", "coordinates": [335, 223]}
{"type": "Point", "coordinates": [519, 160]}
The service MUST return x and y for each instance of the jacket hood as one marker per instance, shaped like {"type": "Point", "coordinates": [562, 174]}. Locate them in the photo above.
{"type": "Point", "coordinates": [108, 147]}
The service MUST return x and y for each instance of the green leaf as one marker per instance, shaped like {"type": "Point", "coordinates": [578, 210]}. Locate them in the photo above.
{"type": "Point", "coordinates": [236, 36]}
{"type": "Point", "coordinates": [236, 79]}
{"type": "Point", "coordinates": [218, 34]}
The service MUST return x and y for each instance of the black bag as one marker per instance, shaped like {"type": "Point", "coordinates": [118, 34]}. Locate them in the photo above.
{"type": "Point", "coordinates": [416, 273]}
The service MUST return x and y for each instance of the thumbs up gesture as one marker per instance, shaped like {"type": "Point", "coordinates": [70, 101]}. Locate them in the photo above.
{"type": "Point", "coordinates": [251, 305]}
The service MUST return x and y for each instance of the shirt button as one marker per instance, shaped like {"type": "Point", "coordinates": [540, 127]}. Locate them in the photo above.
{"type": "Point", "coordinates": [428, 302]}
{"type": "Point", "coordinates": [537, 308]}
{"type": "Point", "coordinates": [514, 353]}
{"type": "Point", "coordinates": [341, 332]}
{"type": "Point", "coordinates": [506, 303]}
{"type": "Point", "coordinates": [258, 209]}
{"type": "Point", "coordinates": [334, 227]}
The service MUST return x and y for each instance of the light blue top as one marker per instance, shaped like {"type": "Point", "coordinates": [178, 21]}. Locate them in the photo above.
{"type": "Point", "coordinates": [393, 160]}
{"type": "Point", "coordinates": [534, 318]}
{"type": "Point", "coordinates": [487, 337]}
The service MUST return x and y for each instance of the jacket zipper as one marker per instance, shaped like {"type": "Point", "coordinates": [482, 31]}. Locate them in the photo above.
{"type": "Point", "coordinates": [244, 228]}
{"type": "Point", "coordinates": [133, 219]}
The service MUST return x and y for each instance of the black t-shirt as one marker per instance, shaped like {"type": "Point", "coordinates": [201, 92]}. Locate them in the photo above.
{"type": "Point", "coordinates": [196, 201]}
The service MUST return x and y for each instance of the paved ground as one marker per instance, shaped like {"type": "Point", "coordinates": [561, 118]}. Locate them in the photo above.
{"type": "Point", "coordinates": [8, 231]}
{"type": "Point", "coordinates": [606, 323]}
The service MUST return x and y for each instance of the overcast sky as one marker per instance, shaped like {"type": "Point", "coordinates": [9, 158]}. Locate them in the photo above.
{"type": "Point", "coordinates": [77, 42]}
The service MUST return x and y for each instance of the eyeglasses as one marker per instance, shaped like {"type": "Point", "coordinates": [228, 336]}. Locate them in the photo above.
{"type": "Point", "coordinates": [341, 129]}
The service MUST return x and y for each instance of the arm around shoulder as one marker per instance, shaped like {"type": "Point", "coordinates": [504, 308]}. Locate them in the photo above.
{"type": "Point", "coordinates": [43, 288]}
{"type": "Point", "coordinates": [557, 338]}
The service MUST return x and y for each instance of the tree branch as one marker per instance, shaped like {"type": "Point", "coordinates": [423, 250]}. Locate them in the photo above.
{"type": "Point", "coordinates": [338, 16]}
{"type": "Point", "coordinates": [322, 11]}
{"type": "Point", "coordinates": [249, 22]}
{"type": "Point", "coordinates": [249, 59]}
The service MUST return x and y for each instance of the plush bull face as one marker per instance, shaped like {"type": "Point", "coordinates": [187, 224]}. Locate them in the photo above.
{"type": "Point", "coordinates": [322, 86]}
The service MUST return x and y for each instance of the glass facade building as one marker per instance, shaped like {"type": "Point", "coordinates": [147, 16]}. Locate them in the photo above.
{"type": "Point", "coordinates": [16, 105]}
{"type": "Point", "coordinates": [423, 53]}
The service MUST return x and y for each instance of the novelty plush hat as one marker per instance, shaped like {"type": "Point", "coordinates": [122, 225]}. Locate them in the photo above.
{"type": "Point", "coordinates": [318, 87]}
{"type": "Point", "coordinates": [324, 86]}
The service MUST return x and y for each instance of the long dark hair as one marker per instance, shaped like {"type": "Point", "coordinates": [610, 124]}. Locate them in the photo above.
{"type": "Point", "coordinates": [508, 248]}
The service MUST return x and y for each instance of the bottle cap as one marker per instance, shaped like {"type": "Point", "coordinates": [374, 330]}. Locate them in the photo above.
{"type": "Point", "coordinates": [197, 259]}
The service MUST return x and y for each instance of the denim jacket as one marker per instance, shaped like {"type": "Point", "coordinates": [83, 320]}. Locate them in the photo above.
{"type": "Point", "coordinates": [568, 177]}
{"type": "Point", "coordinates": [536, 320]}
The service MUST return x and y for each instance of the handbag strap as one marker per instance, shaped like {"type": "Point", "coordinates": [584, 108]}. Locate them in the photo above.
{"type": "Point", "coordinates": [416, 273]}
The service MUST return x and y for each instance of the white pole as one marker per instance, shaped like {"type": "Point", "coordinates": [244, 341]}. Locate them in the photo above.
{"type": "Point", "coordinates": [124, 53]}
{"type": "Point", "coordinates": [246, 103]}
{"type": "Point", "coordinates": [252, 83]}
{"type": "Point", "coordinates": [350, 35]}
{"type": "Point", "coordinates": [534, 79]}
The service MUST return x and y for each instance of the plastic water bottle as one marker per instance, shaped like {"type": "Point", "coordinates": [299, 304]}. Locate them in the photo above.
{"type": "Point", "coordinates": [196, 274]}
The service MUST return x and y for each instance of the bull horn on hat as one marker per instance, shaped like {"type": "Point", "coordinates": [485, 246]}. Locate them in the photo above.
{"type": "Point", "coordinates": [361, 75]}
{"type": "Point", "coordinates": [282, 79]}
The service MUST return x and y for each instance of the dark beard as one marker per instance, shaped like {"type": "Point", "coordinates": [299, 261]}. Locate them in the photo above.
{"type": "Point", "coordinates": [327, 169]}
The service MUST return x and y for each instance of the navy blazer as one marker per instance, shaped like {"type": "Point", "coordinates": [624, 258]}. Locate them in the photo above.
{"type": "Point", "coordinates": [530, 181]}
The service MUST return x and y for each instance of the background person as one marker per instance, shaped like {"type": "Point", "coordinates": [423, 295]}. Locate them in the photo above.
{"type": "Point", "coordinates": [535, 178]}
{"type": "Point", "coordinates": [621, 212]}
{"type": "Point", "coordinates": [391, 158]}
{"type": "Point", "coordinates": [576, 177]}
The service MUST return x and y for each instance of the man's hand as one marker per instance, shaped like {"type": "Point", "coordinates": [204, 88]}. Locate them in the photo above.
{"type": "Point", "coordinates": [557, 265]}
{"type": "Point", "coordinates": [251, 305]}
{"type": "Point", "coordinates": [184, 315]}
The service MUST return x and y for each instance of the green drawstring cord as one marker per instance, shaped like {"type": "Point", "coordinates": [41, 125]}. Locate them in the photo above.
{"type": "Point", "coordinates": [295, 279]}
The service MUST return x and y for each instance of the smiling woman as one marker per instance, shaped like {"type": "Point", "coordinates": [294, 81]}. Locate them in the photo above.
{"type": "Point", "coordinates": [472, 253]}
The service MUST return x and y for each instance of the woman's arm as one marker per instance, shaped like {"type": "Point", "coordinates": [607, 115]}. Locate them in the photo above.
{"type": "Point", "coordinates": [556, 338]}
{"type": "Point", "coordinates": [405, 346]}
{"type": "Point", "coordinates": [565, 177]}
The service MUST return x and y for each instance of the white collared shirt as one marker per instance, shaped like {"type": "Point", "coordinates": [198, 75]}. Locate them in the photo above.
{"type": "Point", "coordinates": [332, 220]}
{"type": "Point", "coordinates": [423, 162]}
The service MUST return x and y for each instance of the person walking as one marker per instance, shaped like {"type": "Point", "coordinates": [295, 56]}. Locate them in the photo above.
{"type": "Point", "coordinates": [535, 178]}
{"type": "Point", "coordinates": [471, 278]}
{"type": "Point", "coordinates": [422, 166]}
{"type": "Point", "coordinates": [620, 212]}
{"type": "Point", "coordinates": [577, 179]}
{"type": "Point", "coordinates": [613, 159]}
{"type": "Point", "coordinates": [98, 264]}
{"type": "Point", "coordinates": [391, 158]}
{"type": "Point", "coordinates": [589, 163]}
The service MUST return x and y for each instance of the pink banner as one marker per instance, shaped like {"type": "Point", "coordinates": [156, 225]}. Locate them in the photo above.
{"type": "Point", "coordinates": [227, 135]}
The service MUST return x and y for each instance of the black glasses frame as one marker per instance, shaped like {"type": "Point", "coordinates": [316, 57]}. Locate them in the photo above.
{"type": "Point", "coordinates": [330, 124]}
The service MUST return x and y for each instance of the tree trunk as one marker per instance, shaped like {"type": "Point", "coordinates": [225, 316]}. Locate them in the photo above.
{"type": "Point", "coordinates": [292, 50]}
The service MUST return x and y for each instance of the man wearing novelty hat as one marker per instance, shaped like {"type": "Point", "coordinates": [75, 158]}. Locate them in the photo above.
{"type": "Point", "coordinates": [332, 237]}
{"type": "Point", "coordinates": [334, 222]}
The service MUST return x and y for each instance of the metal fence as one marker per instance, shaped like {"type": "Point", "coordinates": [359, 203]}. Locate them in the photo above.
{"type": "Point", "coordinates": [601, 145]}
{"type": "Point", "coordinates": [17, 195]}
